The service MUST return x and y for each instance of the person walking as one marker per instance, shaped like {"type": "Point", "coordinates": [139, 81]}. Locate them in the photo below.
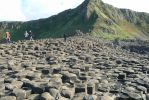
{"type": "Point", "coordinates": [8, 37]}
{"type": "Point", "coordinates": [30, 35]}
{"type": "Point", "coordinates": [26, 35]}
{"type": "Point", "coordinates": [65, 37]}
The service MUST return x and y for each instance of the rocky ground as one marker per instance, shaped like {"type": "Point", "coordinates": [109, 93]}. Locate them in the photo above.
{"type": "Point", "coordinates": [80, 69]}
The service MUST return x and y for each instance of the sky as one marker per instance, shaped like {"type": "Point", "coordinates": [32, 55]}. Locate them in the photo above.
{"type": "Point", "coordinates": [24, 10]}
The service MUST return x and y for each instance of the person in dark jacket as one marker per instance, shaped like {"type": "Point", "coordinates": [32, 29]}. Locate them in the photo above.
{"type": "Point", "coordinates": [65, 37]}
{"type": "Point", "coordinates": [30, 35]}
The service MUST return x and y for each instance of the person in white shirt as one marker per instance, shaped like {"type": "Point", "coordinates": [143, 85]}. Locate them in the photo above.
{"type": "Point", "coordinates": [26, 35]}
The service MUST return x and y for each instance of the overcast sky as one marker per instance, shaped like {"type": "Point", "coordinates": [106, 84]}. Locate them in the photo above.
{"type": "Point", "coordinates": [23, 10]}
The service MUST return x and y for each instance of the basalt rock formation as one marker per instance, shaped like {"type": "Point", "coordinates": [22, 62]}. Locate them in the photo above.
{"type": "Point", "coordinates": [82, 68]}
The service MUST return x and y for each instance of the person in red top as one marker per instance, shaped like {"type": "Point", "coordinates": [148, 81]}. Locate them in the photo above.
{"type": "Point", "coordinates": [7, 37]}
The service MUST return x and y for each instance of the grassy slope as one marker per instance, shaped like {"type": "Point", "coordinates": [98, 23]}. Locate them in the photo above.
{"type": "Point", "coordinates": [120, 28]}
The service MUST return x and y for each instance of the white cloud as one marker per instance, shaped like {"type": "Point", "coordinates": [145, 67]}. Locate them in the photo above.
{"type": "Point", "coordinates": [16, 10]}
{"type": "Point", "coordinates": [10, 10]}
{"type": "Point", "coordinates": [136, 5]}
{"type": "Point", "coordinates": [35, 9]}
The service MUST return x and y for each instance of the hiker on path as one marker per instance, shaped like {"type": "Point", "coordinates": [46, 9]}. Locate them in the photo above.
{"type": "Point", "coordinates": [7, 37]}
{"type": "Point", "coordinates": [26, 35]}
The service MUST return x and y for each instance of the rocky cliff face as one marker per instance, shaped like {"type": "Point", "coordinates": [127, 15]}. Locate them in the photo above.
{"type": "Point", "coordinates": [92, 16]}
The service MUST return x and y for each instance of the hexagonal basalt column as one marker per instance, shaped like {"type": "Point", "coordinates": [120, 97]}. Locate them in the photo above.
{"type": "Point", "coordinates": [122, 76]}
{"type": "Point", "coordinates": [83, 76]}
{"type": "Point", "coordinates": [90, 88]}
{"type": "Point", "coordinates": [80, 88]}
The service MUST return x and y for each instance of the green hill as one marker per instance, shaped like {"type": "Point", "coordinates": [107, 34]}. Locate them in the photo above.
{"type": "Point", "coordinates": [92, 16]}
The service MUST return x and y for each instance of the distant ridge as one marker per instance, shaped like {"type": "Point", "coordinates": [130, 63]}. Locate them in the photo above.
{"type": "Point", "coordinates": [92, 16]}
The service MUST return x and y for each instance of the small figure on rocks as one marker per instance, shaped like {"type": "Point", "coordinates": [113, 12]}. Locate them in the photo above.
{"type": "Point", "coordinates": [65, 37]}
{"type": "Point", "coordinates": [8, 37]}
{"type": "Point", "coordinates": [26, 35]}
{"type": "Point", "coordinates": [30, 35]}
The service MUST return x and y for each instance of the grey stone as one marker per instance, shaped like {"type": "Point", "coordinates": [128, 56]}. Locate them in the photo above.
{"type": "Point", "coordinates": [79, 88]}
{"type": "Point", "coordinates": [20, 94]}
{"type": "Point", "coordinates": [122, 76]}
{"type": "Point", "coordinates": [8, 86]}
{"type": "Point", "coordinates": [27, 91]}
{"type": "Point", "coordinates": [46, 96]}
{"type": "Point", "coordinates": [107, 97]}
{"type": "Point", "coordinates": [142, 88]}
{"type": "Point", "coordinates": [17, 84]}
{"type": "Point", "coordinates": [8, 98]}
{"type": "Point", "coordinates": [54, 92]}
{"type": "Point", "coordinates": [135, 96]}
{"type": "Point", "coordinates": [123, 97]}
{"type": "Point", "coordinates": [67, 93]}
{"type": "Point", "coordinates": [34, 97]}
{"type": "Point", "coordinates": [2, 87]}
{"type": "Point", "coordinates": [90, 88]}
